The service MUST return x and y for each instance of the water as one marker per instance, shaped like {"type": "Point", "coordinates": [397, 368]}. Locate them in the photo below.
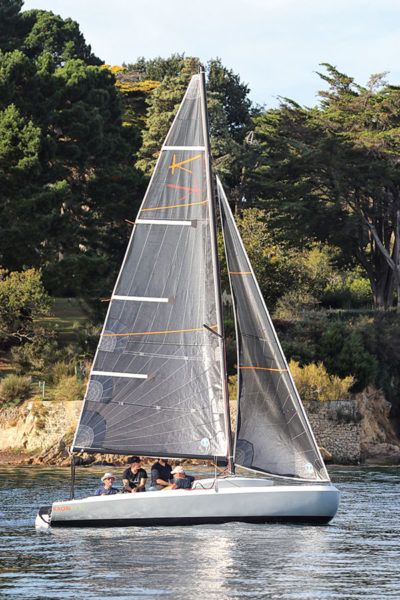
{"type": "Point", "coordinates": [356, 556]}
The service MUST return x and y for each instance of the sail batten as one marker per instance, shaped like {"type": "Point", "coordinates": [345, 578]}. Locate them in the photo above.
{"type": "Point", "coordinates": [140, 299]}
{"type": "Point", "coordinates": [164, 222]}
{"type": "Point", "coordinates": [115, 374]}
{"type": "Point", "coordinates": [273, 434]}
{"type": "Point", "coordinates": [165, 292]}
{"type": "Point", "coordinates": [183, 148]}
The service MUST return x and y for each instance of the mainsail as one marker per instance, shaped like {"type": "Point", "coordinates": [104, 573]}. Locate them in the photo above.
{"type": "Point", "coordinates": [158, 384]}
{"type": "Point", "coordinates": [273, 434]}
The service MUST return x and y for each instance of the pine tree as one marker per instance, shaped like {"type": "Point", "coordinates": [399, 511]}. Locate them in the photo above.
{"type": "Point", "coordinates": [67, 175]}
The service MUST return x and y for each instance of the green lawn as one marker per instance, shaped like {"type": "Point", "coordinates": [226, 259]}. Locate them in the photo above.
{"type": "Point", "coordinates": [67, 313]}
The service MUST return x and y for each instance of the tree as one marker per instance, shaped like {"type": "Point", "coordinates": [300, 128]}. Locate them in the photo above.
{"type": "Point", "coordinates": [231, 121]}
{"type": "Point", "coordinates": [9, 20]}
{"type": "Point", "coordinates": [67, 175]}
{"type": "Point", "coordinates": [280, 270]}
{"type": "Point", "coordinates": [41, 32]}
{"type": "Point", "coordinates": [23, 299]}
{"type": "Point", "coordinates": [156, 69]}
{"type": "Point", "coordinates": [332, 172]}
{"type": "Point", "coordinates": [345, 354]}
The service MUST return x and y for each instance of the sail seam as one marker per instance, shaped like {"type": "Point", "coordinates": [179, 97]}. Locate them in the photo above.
{"type": "Point", "coordinates": [175, 205]}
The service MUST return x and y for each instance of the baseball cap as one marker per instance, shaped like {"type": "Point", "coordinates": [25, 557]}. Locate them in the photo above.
{"type": "Point", "coordinates": [178, 469]}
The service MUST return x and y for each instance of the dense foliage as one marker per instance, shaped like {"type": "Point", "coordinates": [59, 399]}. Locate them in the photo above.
{"type": "Point", "coordinates": [23, 300]}
{"type": "Point", "coordinates": [316, 193]}
{"type": "Point", "coordinates": [67, 175]}
{"type": "Point", "coordinates": [332, 173]}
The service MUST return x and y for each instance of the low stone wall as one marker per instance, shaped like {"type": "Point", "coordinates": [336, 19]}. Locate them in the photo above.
{"type": "Point", "coordinates": [336, 426]}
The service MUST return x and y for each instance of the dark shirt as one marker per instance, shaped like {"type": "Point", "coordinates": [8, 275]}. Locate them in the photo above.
{"type": "Point", "coordinates": [160, 472]}
{"type": "Point", "coordinates": [185, 483]}
{"type": "Point", "coordinates": [134, 478]}
{"type": "Point", "coordinates": [102, 490]}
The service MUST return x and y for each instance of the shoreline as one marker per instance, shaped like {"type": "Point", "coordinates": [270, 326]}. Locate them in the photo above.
{"type": "Point", "coordinates": [24, 459]}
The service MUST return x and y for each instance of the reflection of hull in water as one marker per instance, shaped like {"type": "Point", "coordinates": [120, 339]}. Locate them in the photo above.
{"type": "Point", "coordinates": [231, 499]}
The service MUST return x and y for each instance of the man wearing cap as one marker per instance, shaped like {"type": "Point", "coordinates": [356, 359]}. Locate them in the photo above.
{"type": "Point", "coordinates": [182, 481]}
{"type": "Point", "coordinates": [161, 474]}
{"type": "Point", "coordinates": [107, 488]}
{"type": "Point", "coordinates": [134, 478]}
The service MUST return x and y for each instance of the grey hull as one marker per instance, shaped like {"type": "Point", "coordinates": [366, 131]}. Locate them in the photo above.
{"type": "Point", "coordinates": [232, 499]}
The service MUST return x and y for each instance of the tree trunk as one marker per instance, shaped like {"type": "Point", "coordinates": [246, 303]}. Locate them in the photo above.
{"type": "Point", "coordinates": [382, 288]}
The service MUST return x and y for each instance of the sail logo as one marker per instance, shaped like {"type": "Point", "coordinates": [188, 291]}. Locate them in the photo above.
{"type": "Point", "coordinates": [178, 165]}
{"type": "Point", "coordinates": [309, 468]}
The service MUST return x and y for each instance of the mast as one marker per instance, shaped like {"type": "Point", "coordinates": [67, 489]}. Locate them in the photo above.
{"type": "Point", "coordinates": [214, 250]}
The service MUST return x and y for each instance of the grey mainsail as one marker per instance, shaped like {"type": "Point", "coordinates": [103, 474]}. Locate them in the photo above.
{"type": "Point", "coordinates": [157, 385]}
{"type": "Point", "coordinates": [273, 434]}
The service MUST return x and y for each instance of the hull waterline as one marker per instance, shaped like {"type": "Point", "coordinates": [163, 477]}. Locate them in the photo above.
{"type": "Point", "coordinates": [254, 501]}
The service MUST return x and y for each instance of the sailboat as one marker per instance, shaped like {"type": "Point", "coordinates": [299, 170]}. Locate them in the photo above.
{"type": "Point", "coordinates": [158, 384]}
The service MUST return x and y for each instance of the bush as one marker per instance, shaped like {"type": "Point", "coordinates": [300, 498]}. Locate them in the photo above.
{"type": "Point", "coordinates": [350, 290]}
{"type": "Point", "coordinates": [86, 339]}
{"type": "Point", "coordinates": [69, 388]}
{"type": "Point", "coordinates": [14, 389]}
{"type": "Point", "coordinates": [345, 354]}
{"type": "Point", "coordinates": [36, 355]}
{"type": "Point", "coordinates": [313, 382]}
{"type": "Point", "coordinates": [293, 304]}
{"type": "Point", "coordinates": [60, 370]}
{"type": "Point", "coordinates": [23, 300]}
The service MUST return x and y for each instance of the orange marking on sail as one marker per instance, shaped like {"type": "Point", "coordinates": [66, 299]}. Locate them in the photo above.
{"type": "Point", "coordinates": [264, 369]}
{"type": "Point", "coordinates": [155, 332]}
{"type": "Point", "coordinates": [176, 165]}
{"type": "Point", "coordinates": [131, 222]}
{"type": "Point", "coordinates": [240, 272]}
{"type": "Point", "coordinates": [176, 205]}
{"type": "Point", "coordinates": [191, 190]}
{"type": "Point", "coordinates": [107, 300]}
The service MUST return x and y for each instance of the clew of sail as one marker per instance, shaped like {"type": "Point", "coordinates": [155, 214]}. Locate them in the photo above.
{"type": "Point", "coordinates": [273, 434]}
{"type": "Point", "coordinates": [157, 383]}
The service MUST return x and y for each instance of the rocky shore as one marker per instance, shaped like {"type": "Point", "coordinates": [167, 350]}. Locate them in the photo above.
{"type": "Point", "coordinates": [357, 431]}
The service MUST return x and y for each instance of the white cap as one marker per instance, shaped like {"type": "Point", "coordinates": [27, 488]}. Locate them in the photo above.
{"type": "Point", "coordinates": [107, 476]}
{"type": "Point", "coordinates": [178, 469]}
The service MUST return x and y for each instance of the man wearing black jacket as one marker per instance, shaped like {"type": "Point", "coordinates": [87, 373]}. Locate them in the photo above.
{"type": "Point", "coordinates": [161, 474]}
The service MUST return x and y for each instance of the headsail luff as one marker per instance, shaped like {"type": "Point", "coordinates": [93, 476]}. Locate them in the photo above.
{"type": "Point", "coordinates": [157, 383]}
{"type": "Point", "coordinates": [273, 433]}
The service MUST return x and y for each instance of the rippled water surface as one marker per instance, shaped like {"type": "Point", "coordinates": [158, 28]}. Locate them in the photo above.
{"type": "Point", "coordinates": [356, 556]}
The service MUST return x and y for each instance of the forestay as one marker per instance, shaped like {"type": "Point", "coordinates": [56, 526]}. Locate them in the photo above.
{"type": "Point", "coordinates": [273, 434]}
{"type": "Point", "coordinates": [157, 383]}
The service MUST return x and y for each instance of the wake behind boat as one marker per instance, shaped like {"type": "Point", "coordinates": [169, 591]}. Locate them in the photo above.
{"type": "Point", "coordinates": [158, 384]}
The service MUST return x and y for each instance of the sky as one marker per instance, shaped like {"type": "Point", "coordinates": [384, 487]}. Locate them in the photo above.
{"type": "Point", "coordinates": [275, 46]}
